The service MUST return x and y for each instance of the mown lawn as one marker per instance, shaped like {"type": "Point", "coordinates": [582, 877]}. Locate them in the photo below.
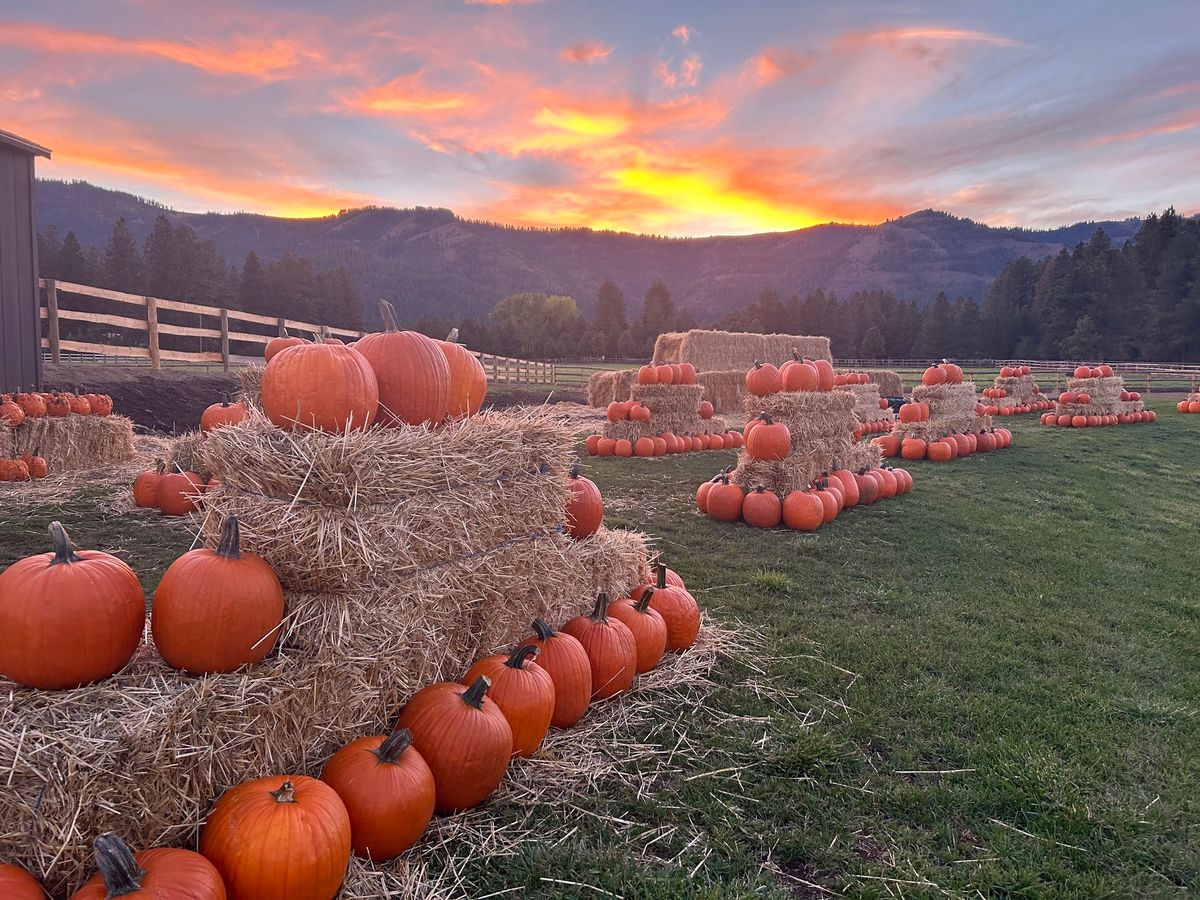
{"type": "Point", "coordinates": [989, 685]}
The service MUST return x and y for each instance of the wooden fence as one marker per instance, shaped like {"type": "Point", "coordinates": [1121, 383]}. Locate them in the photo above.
{"type": "Point", "coordinates": [141, 315]}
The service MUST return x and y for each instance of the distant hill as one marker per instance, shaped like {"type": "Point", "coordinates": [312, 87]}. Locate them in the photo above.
{"type": "Point", "coordinates": [430, 261]}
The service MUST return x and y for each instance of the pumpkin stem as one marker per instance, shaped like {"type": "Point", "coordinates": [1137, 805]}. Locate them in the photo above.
{"type": "Point", "coordinates": [517, 658]}
{"type": "Point", "coordinates": [63, 551]}
{"type": "Point", "coordinates": [766, 418]}
{"type": "Point", "coordinates": [543, 630]}
{"type": "Point", "coordinates": [230, 546]}
{"type": "Point", "coordinates": [224, 398]}
{"type": "Point", "coordinates": [160, 466]}
{"type": "Point", "coordinates": [574, 473]}
{"type": "Point", "coordinates": [473, 696]}
{"type": "Point", "coordinates": [643, 602]}
{"type": "Point", "coordinates": [119, 870]}
{"type": "Point", "coordinates": [393, 746]}
{"type": "Point", "coordinates": [600, 610]}
{"type": "Point", "coordinates": [285, 794]}
{"type": "Point", "coordinates": [388, 313]}
{"type": "Point", "coordinates": [661, 571]}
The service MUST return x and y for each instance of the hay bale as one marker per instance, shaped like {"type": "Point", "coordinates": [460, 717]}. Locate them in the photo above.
{"type": "Point", "coordinates": [72, 443]}
{"type": "Point", "coordinates": [631, 431]}
{"type": "Point", "coordinates": [724, 390]}
{"type": "Point", "coordinates": [951, 411]}
{"type": "Point", "coordinates": [667, 348]}
{"type": "Point", "coordinates": [723, 351]}
{"type": "Point", "coordinates": [866, 403]}
{"type": "Point", "coordinates": [890, 383]}
{"type": "Point", "coordinates": [250, 380]}
{"type": "Point", "coordinates": [185, 453]}
{"type": "Point", "coordinates": [608, 387]}
{"type": "Point", "coordinates": [821, 425]}
{"type": "Point", "coordinates": [1019, 390]}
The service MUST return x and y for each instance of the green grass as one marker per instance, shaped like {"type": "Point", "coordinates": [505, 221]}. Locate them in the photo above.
{"type": "Point", "coordinates": [989, 685]}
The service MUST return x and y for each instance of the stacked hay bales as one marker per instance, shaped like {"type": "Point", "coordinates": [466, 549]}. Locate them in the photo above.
{"type": "Point", "coordinates": [71, 443]}
{"type": "Point", "coordinates": [867, 408]}
{"type": "Point", "coordinates": [185, 455]}
{"type": "Point", "coordinates": [673, 408]}
{"type": "Point", "coordinates": [890, 383]}
{"type": "Point", "coordinates": [406, 553]}
{"type": "Point", "coordinates": [1108, 403]}
{"type": "Point", "coordinates": [1015, 394]}
{"type": "Point", "coordinates": [727, 351]}
{"type": "Point", "coordinates": [610, 387]}
{"type": "Point", "coordinates": [952, 410]}
{"type": "Point", "coordinates": [724, 390]}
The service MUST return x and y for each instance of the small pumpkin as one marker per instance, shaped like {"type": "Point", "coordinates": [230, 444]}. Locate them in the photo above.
{"type": "Point", "coordinates": [57, 406]}
{"type": "Point", "coordinates": [145, 486]}
{"type": "Point", "coordinates": [468, 381]}
{"type": "Point", "coordinates": [217, 610]}
{"type": "Point", "coordinates": [464, 738]}
{"type": "Point", "coordinates": [388, 791]}
{"type": "Point", "coordinates": [567, 663]}
{"type": "Point", "coordinates": [283, 837]}
{"type": "Point", "coordinates": [36, 464]}
{"type": "Point", "coordinates": [647, 626]}
{"type": "Point", "coordinates": [68, 618]}
{"type": "Point", "coordinates": [610, 647]}
{"type": "Point", "coordinates": [769, 441]}
{"type": "Point", "coordinates": [523, 690]}
{"type": "Point", "coordinates": [10, 413]}
{"type": "Point", "coordinates": [323, 387]}
{"type": "Point", "coordinates": [724, 500]}
{"type": "Point", "coordinates": [101, 404]}
{"type": "Point", "coordinates": [17, 884]}
{"type": "Point", "coordinates": [163, 873]}
{"type": "Point", "coordinates": [585, 506]}
{"type": "Point", "coordinates": [79, 404]}
{"type": "Point", "coordinates": [277, 345]}
{"type": "Point", "coordinates": [14, 470]}
{"type": "Point", "coordinates": [32, 404]}
{"type": "Point", "coordinates": [706, 410]}
{"type": "Point", "coordinates": [221, 414]}
{"type": "Point", "coordinates": [412, 372]}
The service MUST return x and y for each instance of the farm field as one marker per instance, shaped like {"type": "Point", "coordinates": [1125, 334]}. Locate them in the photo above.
{"type": "Point", "coordinates": [987, 685]}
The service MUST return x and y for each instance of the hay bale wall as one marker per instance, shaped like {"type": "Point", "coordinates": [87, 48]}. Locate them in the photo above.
{"type": "Point", "coordinates": [608, 387]}
{"type": "Point", "coordinates": [73, 443]}
{"type": "Point", "coordinates": [724, 390]}
{"type": "Point", "coordinates": [951, 411]}
{"type": "Point", "coordinates": [673, 407]}
{"type": "Point", "coordinates": [724, 351]}
{"type": "Point", "coordinates": [890, 383]}
{"type": "Point", "coordinates": [250, 384]}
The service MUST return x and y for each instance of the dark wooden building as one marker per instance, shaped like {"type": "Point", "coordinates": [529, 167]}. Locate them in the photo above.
{"type": "Point", "coordinates": [20, 324]}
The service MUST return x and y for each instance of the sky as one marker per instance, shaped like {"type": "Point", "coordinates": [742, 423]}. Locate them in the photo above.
{"type": "Point", "coordinates": [658, 116]}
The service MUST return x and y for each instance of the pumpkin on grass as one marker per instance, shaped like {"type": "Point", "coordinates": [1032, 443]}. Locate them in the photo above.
{"type": "Point", "coordinates": [283, 837]}
{"type": "Point", "coordinates": [388, 792]}
{"type": "Point", "coordinates": [68, 618]}
{"type": "Point", "coordinates": [523, 690]}
{"type": "Point", "coordinates": [177, 492]}
{"type": "Point", "coordinates": [762, 508]}
{"type": "Point", "coordinates": [412, 372]}
{"type": "Point", "coordinates": [217, 610]}
{"type": "Point", "coordinates": [468, 381]}
{"type": "Point", "coordinates": [567, 664]}
{"type": "Point", "coordinates": [163, 873]}
{"type": "Point", "coordinates": [36, 464]}
{"type": "Point", "coordinates": [803, 511]}
{"type": "Point", "coordinates": [585, 506]}
{"type": "Point", "coordinates": [220, 414]}
{"type": "Point", "coordinates": [647, 626]}
{"type": "Point", "coordinates": [610, 647]}
{"type": "Point", "coordinates": [325, 387]}
{"type": "Point", "coordinates": [145, 486]}
{"type": "Point", "coordinates": [17, 884]}
{"type": "Point", "coordinates": [724, 500]}
{"type": "Point", "coordinates": [679, 610]}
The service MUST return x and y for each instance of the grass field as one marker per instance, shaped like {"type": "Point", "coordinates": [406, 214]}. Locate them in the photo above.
{"type": "Point", "coordinates": [988, 686]}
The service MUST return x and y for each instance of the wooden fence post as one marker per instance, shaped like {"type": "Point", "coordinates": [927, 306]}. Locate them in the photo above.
{"type": "Point", "coordinates": [152, 331]}
{"type": "Point", "coordinates": [52, 320]}
{"type": "Point", "coordinates": [282, 327]}
{"type": "Point", "coordinates": [224, 339]}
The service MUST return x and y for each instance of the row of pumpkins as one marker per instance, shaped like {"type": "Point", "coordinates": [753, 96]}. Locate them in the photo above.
{"type": "Point", "coordinates": [16, 408]}
{"type": "Point", "coordinates": [1189, 405]}
{"type": "Point", "coordinates": [387, 378]}
{"type": "Point", "coordinates": [29, 467]}
{"type": "Point", "coordinates": [946, 448]}
{"type": "Point", "coordinates": [1099, 421]}
{"type": "Point", "coordinates": [663, 444]}
{"type": "Point", "coordinates": [802, 510]}
{"type": "Point", "coordinates": [449, 750]}
{"type": "Point", "coordinates": [634, 411]}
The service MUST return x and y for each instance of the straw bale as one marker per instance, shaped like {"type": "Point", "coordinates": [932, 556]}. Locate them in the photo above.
{"type": "Point", "coordinates": [866, 403]}
{"type": "Point", "coordinates": [607, 387]}
{"type": "Point", "coordinates": [890, 383]}
{"type": "Point", "coordinates": [1192, 398]}
{"type": "Point", "coordinates": [1020, 390]}
{"type": "Point", "coordinates": [951, 411]}
{"type": "Point", "coordinates": [723, 351]}
{"type": "Point", "coordinates": [185, 453]}
{"type": "Point", "coordinates": [862, 455]}
{"type": "Point", "coordinates": [145, 752]}
{"type": "Point", "coordinates": [631, 431]}
{"type": "Point", "coordinates": [673, 407]}
{"type": "Point", "coordinates": [1103, 391]}
{"type": "Point", "coordinates": [71, 443]}
{"type": "Point", "coordinates": [779, 348]}
{"type": "Point", "coordinates": [724, 390]}
{"type": "Point", "coordinates": [250, 379]}
{"type": "Point", "coordinates": [667, 347]}
{"type": "Point", "coordinates": [331, 511]}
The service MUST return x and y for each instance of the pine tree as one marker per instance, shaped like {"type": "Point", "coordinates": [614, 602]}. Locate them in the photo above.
{"type": "Point", "coordinates": [658, 315]}
{"type": "Point", "coordinates": [252, 286]}
{"type": "Point", "coordinates": [873, 345]}
{"type": "Point", "coordinates": [122, 262]}
{"type": "Point", "coordinates": [157, 260]}
{"type": "Point", "coordinates": [937, 330]}
{"type": "Point", "coordinates": [49, 246]}
{"type": "Point", "coordinates": [610, 314]}
{"type": "Point", "coordinates": [71, 264]}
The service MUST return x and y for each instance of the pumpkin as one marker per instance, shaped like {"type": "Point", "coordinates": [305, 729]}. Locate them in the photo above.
{"type": "Point", "coordinates": [912, 448]}
{"type": "Point", "coordinates": [610, 647]}
{"type": "Point", "coordinates": [101, 404]}
{"type": "Point", "coordinates": [954, 374]}
{"type": "Point", "coordinates": [1106, 371]}
{"type": "Point", "coordinates": [566, 662]}
{"type": "Point", "coordinates": [68, 618]}
{"type": "Point", "coordinates": [1083, 399]}
{"type": "Point", "coordinates": [585, 506]}
{"type": "Point", "coordinates": [910, 412]}
{"type": "Point", "coordinates": [283, 837]}
{"type": "Point", "coordinates": [824, 374]}
{"type": "Point", "coordinates": [665, 374]}
{"type": "Point", "coordinates": [829, 506]}
{"type": "Point", "coordinates": [79, 404]}
{"type": "Point", "coordinates": [762, 508]}
{"type": "Point", "coordinates": [468, 381]}
{"type": "Point", "coordinates": [320, 386]}
{"type": "Point", "coordinates": [800, 376]}
{"type": "Point", "coordinates": [523, 690]}
{"type": "Point", "coordinates": [702, 491]}
{"type": "Point", "coordinates": [763, 380]}
{"type": "Point", "coordinates": [849, 486]}
{"type": "Point", "coordinates": [31, 404]}
{"type": "Point", "coordinates": [17, 884]}
{"type": "Point", "coordinates": [939, 451]}
{"type": "Point", "coordinates": [618, 410]}
{"type": "Point", "coordinates": [1007, 372]}
{"type": "Point", "coordinates": [639, 413]}
{"type": "Point", "coordinates": [769, 441]}
{"type": "Point", "coordinates": [593, 444]}
{"type": "Point", "coordinates": [277, 345]}
{"type": "Point", "coordinates": [36, 464]}
{"type": "Point", "coordinates": [10, 413]}
{"type": "Point", "coordinates": [803, 511]}
{"type": "Point", "coordinates": [177, 492]}
{"type": "Point", "coordinates": [889, 444]}
{"type": "Point", "coordinates": [145, 486]}
{"type": "Point", "coordinates": [725, 500]}
{"type": "Point", "coordinates": [933, 375]}
{"type": "Point", "coordinates": [14, 470]}
{"type": "Point", "coordinates": [58, 406]}
{"type": "Point", "coordinates": [688, 371]}
{"type": "Point", "coordinates": [1079, 421]}
{"type": "Point", "coordinates": [220, 414]}
{"type": "Point", "coordinates": [1194, 406]}
{"type": "Point", "coordinates": [388, 791]}
{"type": "Point", "coordinates": [868, 488]}
{"type": "Point", "coordinates": [463, 736]}
{"type": "Point", "coordinates": [643, 446]}
{"type": "Point", "coordinates": [1083, 372]}
{"type": "Point", "coordinates": [623, 448]}
{"type": "Point", "coordinates": [160, 874]}
{"type": "Point", "coordinates": [647, 375]}
{"type": "Point", "coordinates": [660, 445]}
{"type": "Point", "coordinates": [647, 626]}
{"type": "Point", "coordinates": [217, 610]}
{"type": "Point", "coordinates": [706, 410]}
{"type": "Point", "coordinates": [675, 604]}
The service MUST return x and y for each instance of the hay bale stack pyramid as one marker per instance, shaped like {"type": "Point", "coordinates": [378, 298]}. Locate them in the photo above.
{"type": "Point", "coordinates": [1014, 392]}
{"type": "Point", "coordinates": [871, 411]}
{"type": "Point", "coordinates": [1095, 397]}
{"type": "Point", "coordinates": [943, 420]}
{"type": "Point", "coordinates": [406, 553]}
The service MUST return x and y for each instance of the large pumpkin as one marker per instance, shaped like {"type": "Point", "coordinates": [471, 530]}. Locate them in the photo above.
{"type": "Point", "coordinates": [523, 690]}
{"type": "Point", "coordinates": [17, 884]}
{"type": "Point", "coordinates": [610, 647]}
{"type": "Point", "coordinates": [771, 441]}
{"type": "Point", "coordinates": [468, 381]}
{"type": "Point", "coordinates": [679, 610]}
{"type": "Point", "coordinates": [32, 404]}
{"type": "Point", "coordinates": [645, 624]}
{"type": "Point", "coordinates": [217, 610]}
{"type": "Point", "coordinates": [463, 736]}
{"type": "Point", "coordinates": [284, 837]}
{"type": "Point", "coordinates": [388, 791]}
{"type": "Point", "coordinates": [177, 492]}
{"type": "Point", "coordinates": [221, 414]}
{"type": "Point", "coordinates": [567, 663]}
{"type": "Point", "coordinates": [412, 372]}
{"type": "Point", "coordinates": [585, 506]}
{"type": "Point", "coordinates": [159, 874]}
{"type": "Point", "coordinates": [320, 386]}
{"type": "Point", "coordinates": [68, 618]}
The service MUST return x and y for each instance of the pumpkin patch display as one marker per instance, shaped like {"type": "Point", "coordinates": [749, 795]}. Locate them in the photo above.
{"type": "Point", "coordinates": [662, 417]}
{"type": "Point", "coordinates": [1189, 405]}
{"type": "Point", "coordinates": [1014, 392]}
{"type": "Point", "coordinates": [1097, 397]}
{"type": "Point", "coordinates": [163, 872]}
{"type": "Point", "coordinates": [412, 373]}
{"type": "Point", "coordinates": [940, 419]}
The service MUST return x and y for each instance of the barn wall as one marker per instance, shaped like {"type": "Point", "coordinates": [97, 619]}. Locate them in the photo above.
{"type": "Point", "coordinates": [20, 327]}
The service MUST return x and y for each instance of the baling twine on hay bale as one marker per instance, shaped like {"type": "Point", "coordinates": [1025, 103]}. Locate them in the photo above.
{"type": "Point", "coordinates": [73, 442]}
{"type": "Point", "coordinates": [724, 351]}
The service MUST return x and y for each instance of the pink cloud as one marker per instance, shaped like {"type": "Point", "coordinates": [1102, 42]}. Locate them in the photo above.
{"type": "Point", "coordinates": [683, 33]}
{"type": "Point", "coordinates": [687, 75]}
{"type": "Point", "coordinates": [585, 52]}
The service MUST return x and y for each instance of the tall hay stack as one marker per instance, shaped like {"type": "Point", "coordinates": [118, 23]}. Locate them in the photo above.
{"type": "Point", "coordinates": [406, 554]}
{"type": "Point", "coordinates": [951, 411]}
{"type": "Point", "coordinates": [727, 351]}
{"type": "Point", "coordinates": [71, 443]}
{"type": "Point", "coordinates": [1019, 391]}
{"type": "Point", "coordinates": [610, 387]}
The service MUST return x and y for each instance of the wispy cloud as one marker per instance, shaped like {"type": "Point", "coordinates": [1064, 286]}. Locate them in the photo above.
{"type": "Point", "coordinates": [683, 33]}
{"type": "Point", "coordinates": [585, 52]}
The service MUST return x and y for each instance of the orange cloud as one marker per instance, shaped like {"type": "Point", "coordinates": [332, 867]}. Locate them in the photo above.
{"type": "Point", "coordinates": [687, 75]}
{"type": "Point", "coordinates": [776, 63]}
{"type": "Point", "coordinates": [243, 57]}
{"type": "Point", "coordinates": [585, 52]}
{"type": "Point", "coordinates": [683, 33]}
{"type": "Point", "coordinates": [901, 35]}
{"type": "Point", "coordinates": [1188, 122]}
{"type": "Point", "coordinates": [409, 95]}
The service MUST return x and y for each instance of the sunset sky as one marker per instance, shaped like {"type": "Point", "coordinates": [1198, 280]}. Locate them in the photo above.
{"type": "Point", "coordinates": [683, 118]}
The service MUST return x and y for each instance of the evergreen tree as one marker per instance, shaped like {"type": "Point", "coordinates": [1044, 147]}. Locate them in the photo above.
{"type": "Point", "coordinates": [658, 315]}
{"type": "Point", "coordinates": [252, 285]}
{"type": "Point", "coordinates": [610, 315]}
{"type": "Point", "coordinates": [70, 264]}
{"type": "Point", "coordinates": [49, 246]}
{"type": "Point", "coordinates": [873, 345]}
{"type": "Point", "coordinates": [122, 262]}
{"type": "Point", "coordinates": [937, 330]}
{"type": "Point", "coordinates": [157, 259]}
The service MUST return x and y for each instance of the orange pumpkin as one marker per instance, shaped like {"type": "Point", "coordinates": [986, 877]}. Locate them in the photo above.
{"type": "Point", "coordinates": [643, 446]}
{"type": "Point", "coordinates": [177, 492]}
{"type": "Point", "coordinates": [463, 736]}
{"type": "Point", "coordinates": [468, 381]}
{"type": "Point", "coordinates": [702, 491]}
{"type": "Point", "coordinates": [769, 441]}
{"type": "Point", "coordinates": [585, 506]}
{"type": "Point", "coordinates": [277, 345]}
{"type": "Point", "coordinates": [523, 690]}
{"type": "Point", "coordinates": [678, 608]}
{"type": "Point", "coordinates": [163, 872]}
{"type": "Point", "coordinates": [10, 413]}
{"type": "Point", "coordinates": [763, 380]}
{"type": "Point", "coordinates": [803, 511]}
{"type": "Point", "coordinates": [68, 618]}
{"type": "Point", "coordinates": [31, 404]}
{"type": "Point", "coordinates": [79, 404]}
{"type": "Point", "coordinates": [647, 375]}
{"type": "Point", "coordinates": [388, 792]}
{"type": "Point", "coordinates": [14, 470]}
{"type": "Point", "coordinates": [761, 508]}
{"type": "Point", "coordinates": [688, 371]}
{"type": "Point", "coordinates": [646, 624]}
{"type": "Point", "coordinates": [849, 486]}
{"type": "Point", "coordinates": [939, 451]}
{"type": "Point", "coordinates": [412, 372]}
{"type": "Point", "coordinates": [889, 444]}
{"type": "Point", "coordinates": [284, 837]}
{"type": "Point", "coordinates": [321, 386]}
{"type": "Point", "coordinates": [36, 464]}
{"type": "Point", "coordinates": [800, 376]}
{"type": "Point", "coordinates": [912, 448]}
{"type": "Point", "coordinates": [220, 414]}
{"type": "Point", "coordinates": [706, 410]}
{"type": "Point", "coordinates": [101, 404]}
{"type": "Point", "coordinates": [17, 884]}
{"type": "Point", "coordinates": [725, 500]}
{"type": "Point", "coordinates": [57, 406]}
{"type": "Point", "coordinates": [567, 664]}
{"type": "Point", "coordinates": [217, 610]}
{"type": "Point", "coordinates": [610, 647]}
{"type": "Point", "coordinates": [145, 486]}
{"type": "Point", "coordinates": [933, 375]}
{"type": "Point", "coordinates": [592, 444]}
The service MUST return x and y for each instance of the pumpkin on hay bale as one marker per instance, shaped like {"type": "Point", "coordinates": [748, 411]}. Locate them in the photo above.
{"type": "Point", "coordinates": [73, 442]}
